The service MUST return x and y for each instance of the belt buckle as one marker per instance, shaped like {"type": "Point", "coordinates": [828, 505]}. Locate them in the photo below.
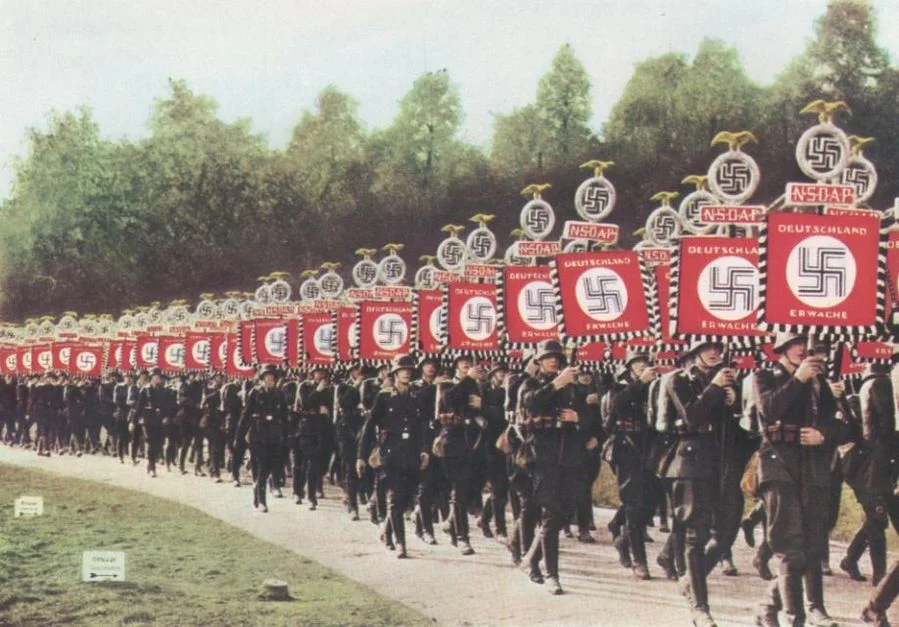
{"type": "Point", "coordinates": [269, 418]}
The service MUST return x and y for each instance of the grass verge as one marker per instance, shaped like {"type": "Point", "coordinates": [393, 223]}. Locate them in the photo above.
{"type": "Point", "coordinates": [182, 566]}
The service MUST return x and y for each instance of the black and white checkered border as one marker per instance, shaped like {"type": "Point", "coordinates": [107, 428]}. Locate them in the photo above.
{"type": "Point", "coordinates": [501, 306]}
{"type": "Point", "coordinates": [648, 296]}
{"type": "Point", "coordinates": [735, 341]}
{"type": "Point", "coordinates": [452, 353]}
{"type": "Point", "coordinates": [839, 333]}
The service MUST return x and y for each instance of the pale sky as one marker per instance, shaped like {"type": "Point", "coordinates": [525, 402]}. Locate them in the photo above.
{"type": "Point", "coordinates": [267, 59]}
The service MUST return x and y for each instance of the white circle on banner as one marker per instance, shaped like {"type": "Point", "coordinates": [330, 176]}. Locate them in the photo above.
{"type": "Point", "coordinates": [392, 269]}
{"type": "Point", "coordinates": [478, 318]}
{"type": "Point", "coordinates": [595, 199]}
{"type": "Point", "coordinates": [481, 244]}
{"type": "Point", "coordinates": [391, 331]}
{"type": "Point", "coordinates": [733, 177]}
{"type": "Point", "coordinates": [602, 294]}
{"type": "Point", "coordinates": [451, 254]}
{"type": "Point", "coordinates": [537, 219]}
{"type": "Point", "coordinates": [86, 361]}
{"type": "Point", "coordinates": [822, 152]}
{"type": "Point", "coordinates": [663, 227]}
{"type": "Point", "coordinates": [174, 354]}
{"type": "Point", "coordinates": [149, 352]}
{"type": "Point", "coordinates": [10, 362]}
{"type": "Point", "coordinates": [200, 351]}
{"type": "Point", "coordinates": [434, 323]}
{"type": "Point", "coordinates": [728, 288]}
{"type": "Point", "coordinates": [537, 305]}
{"type": "Point", "coordinates": [353, 335]}
{"type": "Point", "coordinates": [276, 342]}
{"type": "Point", "coordinates": [65, 354]}
{"type": "Point", "coordinates": [821, 271]}
{"type": "Point", "coordinates": [324, 339]}
{"type": "Point", "coordinates": [365, 273]}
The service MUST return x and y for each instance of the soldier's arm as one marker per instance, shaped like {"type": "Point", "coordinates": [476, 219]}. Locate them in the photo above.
{"type": "Point", "coordinates": [366, 439]}
{"type": "Point", "coordinates": [700, 410]}
{"type": "Point", "coordinates": [246, 416]}
{"type": "Point", "coordinates": [775, 401]}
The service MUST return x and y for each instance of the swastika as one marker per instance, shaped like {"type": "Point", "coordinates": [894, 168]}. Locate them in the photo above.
{"type": "Point", "coordinates": [480, 319]}
{"type": "Point", "coordinates": [391, 332]}
{"type": "Point", "coordinates": [276, 341]}
{"type": "Point", "coordinates": [733, 177]}
{"type": "Point", "coordinates": [731, 289]}
{"type": "Point", "coordinates": [859, 178]}
{"type": "Point", "coordinates": [538, 219]}
{"type": "Point", "coordinates": [393, 269]}
{"type": "Point", "coordinates": [325, 339]}
{"type": "Point", "coordinates": [595, 200]}
{"type": "Point", "coordinates": [366, 272]}
{"type": "Point", "coordinates": [601, 297]}
{"type": "Point", "coordinates": [823, 153]}
{"type": "Point", "coordinates": [176, 354]}
{"type": "Point", "coordinates": [202, 352]}
{"type": "Point", "coordinates": [540, 306]}
{"type": "Point", "coordinates": [453, 254]}
{"type": "Point", "coordinates": [331, 284]}
{"type": "Point", "coordinates": [826, 270]}
{"type": "Point", "coordinates": [664, 228]}
{"type": "Point", "coordinates": [481, 245]}
{"type": "Point", "coordinates": [86, 361]}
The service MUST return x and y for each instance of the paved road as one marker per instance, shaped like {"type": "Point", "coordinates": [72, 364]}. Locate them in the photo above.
{"type": "Point", "coordinates": [438, 581]}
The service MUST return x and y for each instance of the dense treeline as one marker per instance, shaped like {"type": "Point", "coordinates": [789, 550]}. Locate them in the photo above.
{"type": "Point", "coordinates": [97, 225]}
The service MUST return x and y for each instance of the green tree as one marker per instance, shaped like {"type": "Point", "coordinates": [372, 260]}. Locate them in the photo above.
{"type": "Point", "coordinates": [563, 105]}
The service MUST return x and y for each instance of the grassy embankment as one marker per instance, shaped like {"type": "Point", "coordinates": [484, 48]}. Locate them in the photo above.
{"type": "Point", "coordinates": [182, 566]}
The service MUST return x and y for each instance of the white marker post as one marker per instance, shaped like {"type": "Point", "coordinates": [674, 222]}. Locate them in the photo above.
{"type": "Point", "coordinates": [29, 506]}
{"type": "Point", "coordinates": [103, 566]}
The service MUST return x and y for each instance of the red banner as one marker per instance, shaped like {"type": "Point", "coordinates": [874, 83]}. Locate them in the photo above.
{"type": "Point", "coordinates": [892, 291]}
{"type": "Point", "coordinates": [61, 355]}
{"type": "Point", "coordinates": [235, 366]}
{"type": "Point", "coordinates": [129, 356]}
{"type": "Point", "coordinates": [820, 273]}
{"type": "Point", "coordinates": [319, 339]}
{"type": "Point", "coordinates": [113, 354]}
{"type": "Point", "coordinates": [24, 360]}
{"type": "Point", "coordinates": [147, 351]}
{"type": "Point", "coordinates": [218, 351]}
{"type": "Point", "coordinates": [245, 338]}
{"type": "Point", "coordinates": [528, 305]}
{"type": "Point", "coordinates": [197, 351]}
{"type": "Point", "coordinates": [472, 317]}
{"type": "Point", "coordinates": [86, 361]}
{"type": "Point", "coordinates": [172, 353]}
{"type": "Point", "coordinates": [592, 352]}
{"type": "Point", "coordinates": [346, 333]}
{"type": "Point", "coordinates": [602, 295]}
{"type": "Point", "coordinates": [384, 330]}
{"type": "Point", "coordinates": [427, 321]}
{"type": "Point", "coordinates": [269, 342]}
{"type": "Point", "coordinates": [873, 351]}
{"type": "Point", "coordinates": [716, 287]}
{"type": "Point", "coordinates": [8, 360]}
{"type": "Point", "coordinates": [42, 358]}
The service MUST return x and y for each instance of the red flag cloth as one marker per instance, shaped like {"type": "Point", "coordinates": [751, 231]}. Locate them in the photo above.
{"type": "Point", "coordinates": [218, 351]}
{"type": "Point", "coordinates": [662, 274]}
{"type": "Point", "coordinates": [197, 351]}
{"type": "Point", "coordinates": [603, 295]}
{"type": "Point", "coordinates": [822, 273]}
{"type": "Point", "coordinates": [61, 355]}
{"type": "Point", "coordinates": [147, 351]}
{"type": "Point", "coordinates": [318, 338]}
{"type": "Point", "coordinates": [245, 337]}
{"type": "Point", "coordinates": [873, 351]}
{"type": "Point", "coordinates": [269, 342]}
{"type": "Point", "coordinates": [472, 318]}
{"type": "Point", "coordinates": [427, 321]}
{"type": "Point", "coordinates": [347, 333]}
{"type": "Point", "coordinates": [527, 304]}
{"type": "Point", "coordinates": [24, 360]}
{"type": "Point", "coordinates": [715, 288]}
{"type": "Point", "coordinates": [384, 330]}
{"type": "Point", "coordinates": [42, 358]}
{"type": "Point", "coordinates": [172, 353]}
{"type": "Point", "coordinates": [592, 352]}
{"type": "Point", "coordinates": [86, 361]}
{"type": "Point", "coordinates": [8, 360]}
{"type": "Point", "coordinates": [236, 366]}
{"type": "Point", "coordinates": [129, 355]}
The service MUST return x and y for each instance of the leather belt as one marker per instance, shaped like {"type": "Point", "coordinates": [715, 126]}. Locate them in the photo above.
{"type": "Point", "coordinates": [788, 434]}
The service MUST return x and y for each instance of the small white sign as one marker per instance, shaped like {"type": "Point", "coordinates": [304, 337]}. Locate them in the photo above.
{"type": "Point", "coordinates": [103, 566]}
{"type": "Point", "coordinates": [29, 506]}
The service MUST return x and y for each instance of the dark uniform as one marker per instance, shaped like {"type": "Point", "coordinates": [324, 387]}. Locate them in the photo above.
{"type": "Point", "coordinates": [795, 483]}
{"type": "Point", "coordinates": [348, 425]}
{"type": "Point", "coordinates": [398, 422]}
{"type": "Point", "coordinates": [559, 453]}
{"type": "Point", "coordinates": [190, 436]}
{"type": "Point", "coordinates": [232, 407]}
{"type": "Point", "coordinates": [120, 411]}
{"type": "Point", "coordinates": [263, 421]}
{"type": "Point", "coordinates": [870, 470]}
{"type": "Point", "coordinates": [493, 408]}
{"type": "Point", "coordinates": [314, 405]}
{"type": "Point", "coordinates": [156, 406]}
{"type": "Point", "coordinates": [694, 409]}
{"type": "Point", "coordinates": [212, 427]}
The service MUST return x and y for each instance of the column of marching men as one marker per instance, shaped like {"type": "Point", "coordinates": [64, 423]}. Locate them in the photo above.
{"type": "Point", "coordinates": [517, 451]}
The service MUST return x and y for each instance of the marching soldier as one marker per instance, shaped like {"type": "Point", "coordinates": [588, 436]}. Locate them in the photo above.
{"type": "Point", "coordinates": [429, 478]}
{"type": "Point", "coordinates": [43, 407]}
{"type": "Point", "coordinates": [798, 411]}
{"type": "Point", "coordinates": [232, 407]}
{"type": "Point", "coordinates": [212, 425]}
{"type": "Point", "coordinates": [106, 411]}
{"type": "Point", "coordinates": [399, 418]}
{"type": "Point", "coordinates": [263, 421]}
{"type": "Point", "coordinates": [156, 406]}
{"type": "Point", "coordinates": [626, 451]}
{"type": "Point", "coordinates": [313, 406]}
{"type": "Point", "coordinates": [348, 425]}
{"type": "Point", "coordinates": [553, 413]}
{"type": "Point", "coordinates": [8, 409]}
{"type": "Point", "coordinates": [695, 402]}
{"type": "Point", "coordinates": [494, 411]}
{"type": "Point", "coordinates": [135, 420]}
{"type": "Point", "coordinates": [120, 405]}
{"type": "Point", "coordinates": [459, 415]}
{"type": "Point", "coordinates": [190, 436]}
{"type": "Point", "coordinates": [872, 481]}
